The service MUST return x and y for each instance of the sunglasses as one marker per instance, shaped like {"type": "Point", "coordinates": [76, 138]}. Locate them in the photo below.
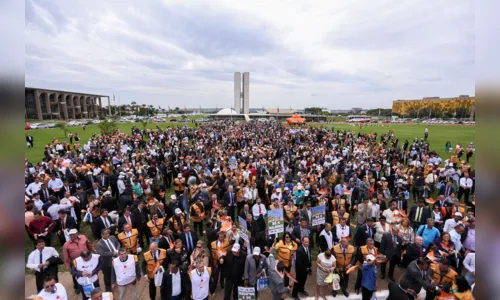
{"type": "Point", "coordinates": [50, 286]}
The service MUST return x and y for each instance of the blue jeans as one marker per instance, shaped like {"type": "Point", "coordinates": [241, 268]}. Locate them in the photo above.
{"type": "Point", "coordinates": [470, 278]}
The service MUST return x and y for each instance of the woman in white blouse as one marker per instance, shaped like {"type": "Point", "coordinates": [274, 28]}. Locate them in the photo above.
{"type": "Point", "coordinates": [380, 227]}
{"type": "Point", "coordinates": [437, 216]}
{"type": "Point", "coordinates": [406, 233]}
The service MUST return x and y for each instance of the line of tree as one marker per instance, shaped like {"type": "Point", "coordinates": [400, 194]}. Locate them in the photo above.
{"type": "Point", "coordinates": [384, 112]}
{"type": "Point", "coordinates": [428, 112]}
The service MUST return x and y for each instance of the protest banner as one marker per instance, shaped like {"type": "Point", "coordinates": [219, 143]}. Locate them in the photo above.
{"type": "Point", "coordinates": [318, 215]}
{"type": "Point", "coordinates": [242, 230]}
{"type": "Point", "coordinates": [275, 221]}
{"type": "Point", "coordinates": [246, 293]}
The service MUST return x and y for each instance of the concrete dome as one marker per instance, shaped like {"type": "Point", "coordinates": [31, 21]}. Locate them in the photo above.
{"type": "Point", "coordinates": [227, 111]}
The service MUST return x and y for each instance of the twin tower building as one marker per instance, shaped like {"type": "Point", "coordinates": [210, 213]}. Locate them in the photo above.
{"type": "Point", "coordinates": [241, 96]}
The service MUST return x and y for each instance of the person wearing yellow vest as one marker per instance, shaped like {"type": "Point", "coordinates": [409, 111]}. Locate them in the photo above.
{"type": "Point", "coordinates": [337, 203]}
{"type": "Point", "coordinates": [129, 239]}
{"type": "Point", "coordinates": [337, 215]}
{"type": "Point", "coordinates": [153, 260]}
{"type": "Point", "coordinates": [276, 204]}
{"type": "Point", "coordinates": [198, 215]}
{"type": "Point", "coordinates": [52, 290]}
{"type": "Point", "coordinates": [155, 226]}
{"type": "Point", "coordinates": [176, 222]}
{"type": "Point", "coordinates": [179, 185]}
{"type": "Point", "coordinates": [362, 252]}
{"type": "Point", "coordinates": [345, 255]}
{"type": "Point", "coordinates": [290, 210]}
{"type": "Point", "coordinates": [219, 248]}
{"type": "Point", "coordinates": [441, 274]}
{"type": "Point", "coordinates": [286, 249]}
{"type": "Point", "coordinates": [86, 268]}
{"type": "Point", "coordinates": [125, 273]}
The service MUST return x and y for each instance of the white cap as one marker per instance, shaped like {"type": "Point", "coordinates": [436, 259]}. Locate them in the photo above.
{"type": "Point", "coordinates": [286, 188]}
{"type": "Point", "coordinates": [458, 214]}
{"type": "Point", "coordinates": [280, 180]}
{"type": "Point", "coordinates": [173, 197]}
{"type": "Point", "coordinates": [179, 175]}
{"type": "Point", "coordinates": [450, 165]}
{"type": "Point", "coordinates": [383, 178]}
{"type": "Point", "coordinates": [299, 173]}
{"type": "Point", "coordinates": [203, 185]}
{"type": "Point", "coordinates": [370, 257]}
{"type": "Point", "coordinates": [107, 193]}
{"type": "Point", "coordinates": [236, 247]}
{"type": "Point", "coordinates": [185, 168]}
{"type": "Point", "coordinates": [73, 231]}
{"type": "Point", "coordinates": [178, 211]}
{"type": "Point", "coordinates": [89, 173]}
{"type": "Point", "coordinates": [278, 190]}
{"type": "Point", "coordinates": [121, 177]}
{"type": "Point", "coordinates": [306, 193]}
{"type": "Point", "coordinates": [400, 180]}
{"type": "Point", "coordinates": [256, 251]}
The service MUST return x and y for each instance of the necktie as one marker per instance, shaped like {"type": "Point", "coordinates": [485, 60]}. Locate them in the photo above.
{"type": "Point", "coordinates": [343, 250]}
{"type": "Point", "coordinates": [419, 251]}
{"type": "Point", "coordinates": [110, 245]}
{"type": "Point", "coordinates": [400, 204]}
{"type": "Point", "coordinates": [105, 221]}
{"type": "Point", "coordinates": [63, 223]}
{"type": "Point", "coordinates": [260, 210]}
{"type": "Point", "coordinates": [369, 232]}
{"type": "Point", "coordinates": [154, 257]}
{"type": "Point", "coordinates": [128, 221]}
{"type": "Point", "coordinates": [307, 253]}
{"type": "Point", "coordinates": [417, 217]}
{"type": "Point", "coordinates": [46, 194]}
{"type": "Point", "coordinates": [230, 198]}
{"type": "Point", "coordinates": [41, 258]}
{"type": "Point", "coordinates": [190, 242]}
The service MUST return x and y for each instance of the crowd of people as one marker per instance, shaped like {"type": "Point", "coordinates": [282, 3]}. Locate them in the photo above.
{"type": "Point", "coordinates": [386, 204]}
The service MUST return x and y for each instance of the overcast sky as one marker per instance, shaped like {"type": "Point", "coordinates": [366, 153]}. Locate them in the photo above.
{"type": "Point", "coordinates": [335, 54]}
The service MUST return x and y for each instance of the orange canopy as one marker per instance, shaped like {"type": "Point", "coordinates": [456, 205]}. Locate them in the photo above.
{"type": "Point", "coordinates": [295, 119]}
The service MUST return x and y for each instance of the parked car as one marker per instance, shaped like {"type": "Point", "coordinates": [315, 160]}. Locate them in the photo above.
{"type": "Point", "coordinates": [201, 120]}
{"type": "Point", "coordinates": [39, 126]}
{"type": "Point", "coordinates": [173, 120]}
{"type": "Point", "coordinates": [51, 125]}
{"type": "Point", "coordinates": [73, 123]}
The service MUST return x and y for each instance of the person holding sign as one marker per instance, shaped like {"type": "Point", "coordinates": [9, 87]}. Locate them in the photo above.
{"type": "Point", "coordinates": [286, 249]}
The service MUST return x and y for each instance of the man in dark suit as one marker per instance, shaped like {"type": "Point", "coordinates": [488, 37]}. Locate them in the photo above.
{"type": "Point", "coordinates": [65, 189]}
{"type": "Point", "coordinates": [364, 231]}
{"type": "Point", "coordinates": [108, 201]}
{"type": "Point", "coordinates": [230, 201]}
{"type": "Point", "coordinates": [125, 199]}
{"type": "Point", "coordinates": [416, 276]}
{"type": "Point", "coordinates": [166, 239]}
{"type": "Point", "coordinates": [401, 203]}
{"type": "Point", "coordinates": [390, 246]}
{"type": "Point", "coordinates": [189, 239]}
{"type": "Point", "coordinates": [301, 231]}
{"type": "Point", "coordinates": [141, 217]}
{"type": "Point", "coordinates": [400, 291]}
{"type": "Point", "coordinates": [446, 189]}
{"type": "Point", "coordinates": [166, 288]}
{"type": "Point", "coordinates": [94, 190]}
{"type": "Point", "coordinates": [64, 222]}
{"type": "Point", "coordinates": [103, 180]}
{"type": "Point", "coordinates": [413, 251]}
{"type": "Point", "coordinates": [107, 247]}
{"type": "Point", "coordinates": [78, 184]}
{"type": "Point", "coordinates": [245, 212]}
{"type": "Point", "coordinates": [45, 193]}
{"type": "Point", "coordinates": [89, 179]}
{"type": "Point", "coordinates": [419, 215]}
{"type": "Point", "coordinates": [126, 218]}
{"type": "Point", "coordinates": [100, 223]}
{"type": "Point", "coordinates": [302, 268]}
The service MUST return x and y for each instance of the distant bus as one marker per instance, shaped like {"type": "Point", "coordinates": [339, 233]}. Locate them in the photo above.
{"type": "Point", "coordinates": [358, 119]}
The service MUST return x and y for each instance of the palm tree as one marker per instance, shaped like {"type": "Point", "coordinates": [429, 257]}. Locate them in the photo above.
{"type": "Point", "coordinates": [62, 126]}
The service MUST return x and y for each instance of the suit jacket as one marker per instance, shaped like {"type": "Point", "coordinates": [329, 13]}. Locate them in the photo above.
{"type": "Point", "coordinates": [363, 213]}
{"type": "Point", "coordinates": [425, 214]}
{"type": "Point", "coordinates": [397, 293]}
{"type": "Point", "coordinates": [251, 270]}
{"type": "Point", "coordinates": [106, 255]}
{"type": "Point", "coordinates": [296, 234]}
{"type": "Point", "coordinates": [302, 260]}
{"type": "Point", "coordinates": [303, 214]}
{"type": "Point", "coordinates": [70, 223]}
{"type": "Point", "coordinates": [78, 183]}
{"type": "Point", "coordinates": [99, 180]}
{"type": "Point", "coordinates": [122, 221]}
{"type": "Point", "coordinates": [442, 190]}
{"type": "Point", "coordinates": [164, 244]}
{"type": "Point", "coordinates": [227, 200]}
{"type": "Point", "coordinates": [243, 215]}
{"type": "Point", "coordinates": [276, 283]}
{"type": "Point", "coordinates": [194, 237]}
{"type": "Point", "coordinates": [166, 285]}
{"type": "Point", "coordinates": [98, 225]}
{"type": "Point", "coordinates": [412, 253]}
{"type": "Point", "coordinates": [42, 195]}
{"type": "Point", "coordinates": [388, 248]}
{"type": "Point", "coordinates": [413, 276]}
{"type": "Point", "coordinates": [361, 235]}
{"type": "Point", "coordinates": [141, 217]}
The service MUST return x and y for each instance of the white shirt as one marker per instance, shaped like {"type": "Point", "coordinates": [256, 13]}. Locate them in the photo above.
{"type": "Point", "coordinates": [199, 284]}
{"type": "Point", "coordinates": [455, 238]}
{"type": "Point", "coordinates": [33, 188]}
{"type": "Point", "coordinates": [55, 184]}
{"type": "Point", "coordinates": [389, 215]}
{"type": "Point", "coordinates": [255, 210]}
{"type": "Point", "coordinates": [121, 186]}
{"type": "Point", "coordinates": [34, 257]}
{"type": "Point", "coordinates": [176, 283]}
{"type": "Point", "coordinates": [450, 224]}
{"type": "Point", "coordinates": [53, 210]}
{"type": "Point", "coordinates": [38, 204]}
{"type": "Point", "coordinates": [59, 293]}
{"type": "Point", "coordinates": [470, 262]}
{"type": "Point", "coordinates": [466, 182]}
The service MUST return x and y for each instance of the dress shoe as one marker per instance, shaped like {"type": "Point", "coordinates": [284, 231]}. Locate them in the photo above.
{"type": "Point", "coordinates": [346, 293]}
{"type": "Point", "coordinates": [77, 291]}
{"type": "Point", "coordinates": [334, 293]}
{"type": "Point", "coordinates": [383, 276]}
{"type": "Point", "coordinates": [305, 293]}
{"type": "Point", "coordinates": [357, 291]}
{"type": "Point", "coordinates": [296, 298]}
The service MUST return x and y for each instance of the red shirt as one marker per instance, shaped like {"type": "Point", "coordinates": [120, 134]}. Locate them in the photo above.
{"type": "Point", "coordinates": [72, 250]}
{"type": "Point", "coordinates": [39, 226]}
